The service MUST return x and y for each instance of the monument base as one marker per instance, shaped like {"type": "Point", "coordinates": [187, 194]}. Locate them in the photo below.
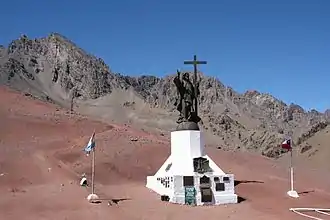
{"type": "Point", "coordinates": [191, 177]}
{"type": "Point", "coordinates": [217, 200]}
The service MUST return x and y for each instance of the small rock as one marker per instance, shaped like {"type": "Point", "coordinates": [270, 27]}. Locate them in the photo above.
{"type": "Point", "coordinates": [305, 148]}
{"type": "Point", "coordinates": [133, 139]}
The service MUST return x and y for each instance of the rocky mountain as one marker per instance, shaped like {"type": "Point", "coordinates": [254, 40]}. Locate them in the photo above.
{"type": "Point", "coordinates": [55, 69]}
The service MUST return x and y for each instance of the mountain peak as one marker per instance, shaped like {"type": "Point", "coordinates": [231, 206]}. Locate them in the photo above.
{"type": "Point", "coordinates": [56, 68]}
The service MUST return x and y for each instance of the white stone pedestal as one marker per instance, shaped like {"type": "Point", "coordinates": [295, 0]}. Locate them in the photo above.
{"type": "Point", "coordinates": [177, 177]}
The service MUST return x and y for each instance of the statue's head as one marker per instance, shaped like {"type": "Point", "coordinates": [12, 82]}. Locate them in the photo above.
{"type": "Point", "coordinates": [185, 76]}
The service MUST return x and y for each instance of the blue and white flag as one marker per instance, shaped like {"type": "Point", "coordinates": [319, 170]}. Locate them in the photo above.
{"type": "Point", "coordinates": [91, 144]}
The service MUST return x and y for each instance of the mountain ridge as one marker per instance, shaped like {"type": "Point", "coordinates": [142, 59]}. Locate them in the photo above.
{"type": "Point", "coordinates": [54, 68]}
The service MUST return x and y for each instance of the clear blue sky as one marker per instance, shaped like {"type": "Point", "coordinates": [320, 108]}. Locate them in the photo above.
{"type": "Point", "coordinates": [277, 46]}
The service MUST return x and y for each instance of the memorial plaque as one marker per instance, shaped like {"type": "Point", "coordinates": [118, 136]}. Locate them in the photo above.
{"type": "Point", "coordinates": [188, 181]}
{"type": "Point", "coordinates": [220, 187]}
{"type": "Point", "coordinates": [190, 195]}
{"type": "Point", "coordinates": [206, 194]}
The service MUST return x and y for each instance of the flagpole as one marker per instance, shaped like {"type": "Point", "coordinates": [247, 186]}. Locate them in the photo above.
{"type": "Point", "coordinates": [91, 147]}
{"type": "Point", "coordinates": [93, 169]}
{"type": "Point", "coordinates": [292, 192]}
{"type": "Point", "coordinates": [291, 168]}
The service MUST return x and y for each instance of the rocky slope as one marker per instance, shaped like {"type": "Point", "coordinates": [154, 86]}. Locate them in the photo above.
{"type": "Point", "coordinates": [55, 69]}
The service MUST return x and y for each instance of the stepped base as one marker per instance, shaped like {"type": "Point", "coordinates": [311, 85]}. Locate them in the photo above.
{"type": "Point", "coordinates": [191, 177]}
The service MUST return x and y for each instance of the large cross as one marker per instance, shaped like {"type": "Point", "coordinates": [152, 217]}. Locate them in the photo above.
{"type": "Point", "coordinates": [195, 62]}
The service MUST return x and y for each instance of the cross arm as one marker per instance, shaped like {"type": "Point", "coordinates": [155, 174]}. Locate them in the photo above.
{"type": "Point", "coordinates": [195, 62]}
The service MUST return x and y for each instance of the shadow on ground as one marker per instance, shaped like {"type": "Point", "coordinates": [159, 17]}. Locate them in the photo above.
{"type": "Point", "coordinates": [237, 182]}
{"type": "Point", "coordinates": [240, 199]}
{"type": "Point", "coordinates": [116, 201]}
{"type": "Point", "coordinates": [306, 192]}
{"type": "Point", "coordinates": [110, 201]}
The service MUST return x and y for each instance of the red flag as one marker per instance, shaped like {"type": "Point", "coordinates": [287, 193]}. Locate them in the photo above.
{"type": "Point", "coordinates": [286, 144]}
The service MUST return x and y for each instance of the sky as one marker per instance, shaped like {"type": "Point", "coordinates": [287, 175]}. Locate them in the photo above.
{"type": "Point", "coordinates": [281, 47]}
